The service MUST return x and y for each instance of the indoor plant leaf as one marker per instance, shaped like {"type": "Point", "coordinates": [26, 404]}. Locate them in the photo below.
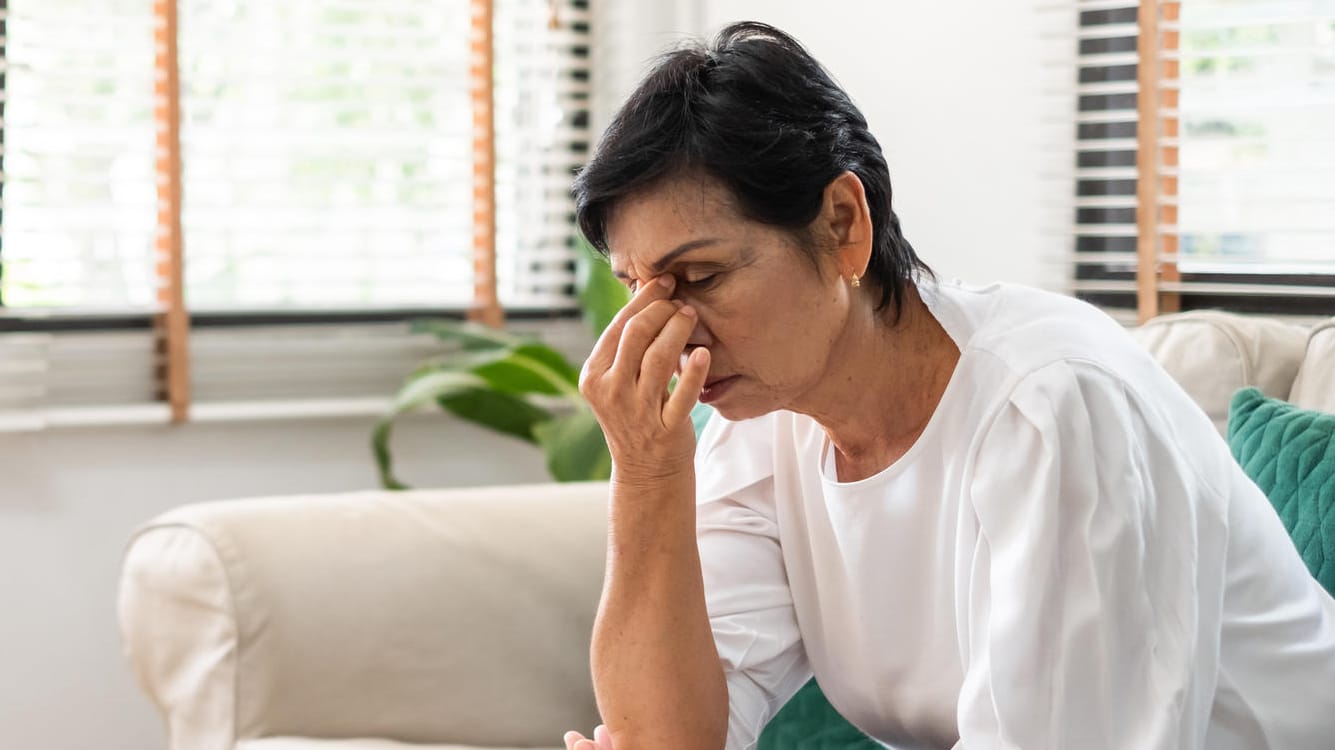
{"type": "Point", "coordinates": [502, 412]}
{"type": "Point", "coordinates": [576, 450]}
{"type": "Point", "coordinates": [531, 368]}
{"type": "Point", "coordinates": [418, 391]}
{"type": "Point", "coordinates": [461, 361]}
{"type": "Point", "coordinates": [600, 294]}
{"type": "Point", "coordinates": [553, 360]}
{"type": "Point", "coordinates": [488, 380]}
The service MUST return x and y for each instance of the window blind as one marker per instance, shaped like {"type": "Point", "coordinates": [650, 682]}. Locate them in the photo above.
{"type": "Point", "coordinates": [327, 153]}
{"type": "Point", "coordinates": [79, 196]}
{"type": "Point", "coordinates": [326, 150]}
{"type": "Point", "coordinates": [542, 94]}
{"type": "Point", "coordinates": [1257, 146]}
{"type": "Point", "coordinates": [1201, 177]}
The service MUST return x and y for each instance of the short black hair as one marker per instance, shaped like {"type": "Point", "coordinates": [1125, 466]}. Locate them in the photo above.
{"type": "Point", "coordinates": [755, 111]}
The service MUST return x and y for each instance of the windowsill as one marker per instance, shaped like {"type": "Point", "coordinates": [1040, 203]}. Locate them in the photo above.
{"type": "Point", "coordinates": [282, 373]}
{"type": "Point", "coordinates": [134, 415]}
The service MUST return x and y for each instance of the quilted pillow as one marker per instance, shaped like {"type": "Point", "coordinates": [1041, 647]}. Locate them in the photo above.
{"type": "Point", "coordinates": [1290, 453]}
{"type": "Point", "coordinates": [809, 722]}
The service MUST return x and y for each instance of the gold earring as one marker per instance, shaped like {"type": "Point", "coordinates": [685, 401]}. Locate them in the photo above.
{"type": "Point", "coordinates": [856, 282]}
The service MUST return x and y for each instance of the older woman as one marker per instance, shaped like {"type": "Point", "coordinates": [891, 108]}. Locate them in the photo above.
{"type": "Point", "coordinates": [981, 517]}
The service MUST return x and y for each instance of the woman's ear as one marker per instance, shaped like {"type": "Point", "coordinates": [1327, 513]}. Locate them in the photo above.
{"type": "Point", "coordinates": [848, 221]}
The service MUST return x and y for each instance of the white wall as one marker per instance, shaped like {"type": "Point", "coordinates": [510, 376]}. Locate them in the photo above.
{"type": "Point", "coordinates": [951, 90]}
{"type": "Point", "coordinates": [69, 499]}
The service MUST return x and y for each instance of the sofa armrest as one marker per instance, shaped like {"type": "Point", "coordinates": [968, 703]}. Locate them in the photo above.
{"type": "Point", "coordinates": [448, 616]}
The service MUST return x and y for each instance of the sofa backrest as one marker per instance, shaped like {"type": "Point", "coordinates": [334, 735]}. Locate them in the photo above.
{"type": "Point", "coordinates": [1214, 354]}
{"type": "Point", "coordinates": [1314, 387]}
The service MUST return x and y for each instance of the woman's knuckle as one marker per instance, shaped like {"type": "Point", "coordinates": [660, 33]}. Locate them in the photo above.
{"type": "Point", "coordinates": [662, 307]}
{"type": "Point", "coordinates": [588, 379]}
{"type": "Point", "coordinates": [639, 328]}
{"type": "Point", "coordinates": [656, 359]}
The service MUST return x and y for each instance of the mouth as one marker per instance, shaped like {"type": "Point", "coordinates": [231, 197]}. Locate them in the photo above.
{"type": "Point", "coordinates": [714, 388]}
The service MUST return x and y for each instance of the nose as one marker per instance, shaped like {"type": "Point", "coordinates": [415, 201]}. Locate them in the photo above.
{"type": "Point", "coordinates": [700, 333]}
{"type": "Point", "coordinates": [699, 337]}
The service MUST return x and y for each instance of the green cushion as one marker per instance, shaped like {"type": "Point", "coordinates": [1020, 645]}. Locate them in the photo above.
{"type": "Point", "coordinates": [1290, 453]}
{"type": "Point", "coordinates": [809, 722]}
{"type": "Point", "coordinates": [700, 415]}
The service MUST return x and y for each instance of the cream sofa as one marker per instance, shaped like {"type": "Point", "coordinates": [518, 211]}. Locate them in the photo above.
{"type": "Point", "coordinates": [461, 618]}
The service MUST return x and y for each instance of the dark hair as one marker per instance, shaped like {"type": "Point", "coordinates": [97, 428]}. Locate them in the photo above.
{"type": "Point", "coordinates": [755, 111]}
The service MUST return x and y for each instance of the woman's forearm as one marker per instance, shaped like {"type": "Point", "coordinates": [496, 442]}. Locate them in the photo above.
{"type": "Point", "coordinates": [656, 672]}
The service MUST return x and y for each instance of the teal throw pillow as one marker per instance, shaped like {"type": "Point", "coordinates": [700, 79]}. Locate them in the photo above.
{"type": "Point", "coordinates": [809, 722]}
{"type": "Point", "coordinates": [1290, 453]}
{"type": "Point", "coordinates": [700, 415]}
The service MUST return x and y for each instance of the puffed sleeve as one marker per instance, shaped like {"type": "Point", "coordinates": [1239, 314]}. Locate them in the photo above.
{"type": "Point", "coordinates": [746, 587]}
{"type": "Point", "coordinates": [1084, 617]}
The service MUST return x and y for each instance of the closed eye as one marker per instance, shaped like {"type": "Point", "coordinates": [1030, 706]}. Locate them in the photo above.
{"type": "Point", "coordinates": [700, 282]}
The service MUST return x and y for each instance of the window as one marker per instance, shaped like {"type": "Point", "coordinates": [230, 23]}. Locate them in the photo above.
{"type": "Point", "coordinates": [1235, 130]}
{"type": "Point", "coordinates": [327, 151]}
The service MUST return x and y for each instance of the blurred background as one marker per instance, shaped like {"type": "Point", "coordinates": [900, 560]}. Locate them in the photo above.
{"type": "Point", "coordinates": [213, 241]}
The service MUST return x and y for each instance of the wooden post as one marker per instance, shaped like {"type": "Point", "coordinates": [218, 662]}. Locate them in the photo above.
{"type": "Point", "coordinates": [1156, 208]}
{"type": "Point", "coordinates": [486, 306]}
{"type": "Point", "coordinates": [1168, 154]}
{"type": "Point", "coordinates": [1147, 162]}
{"type": "Point", "coordinates": [172, 322]}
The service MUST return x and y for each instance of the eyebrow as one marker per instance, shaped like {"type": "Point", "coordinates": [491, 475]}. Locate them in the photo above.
{"type": "Point", "coordinates": [672, 255]}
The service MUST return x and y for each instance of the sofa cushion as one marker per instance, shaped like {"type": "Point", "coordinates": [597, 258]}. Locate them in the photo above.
{"type": "Point", "coordinates": [1290, 453]}
{"type": "Point", "coordinates": [1314, 387]}
{"type": "Point", "coordinates": [317, 743]}
{"type": "Point", "coordinates": [1213, 354]}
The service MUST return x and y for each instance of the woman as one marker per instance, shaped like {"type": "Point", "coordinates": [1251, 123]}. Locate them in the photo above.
{"type": "Point", "coordinates": [982, 518]}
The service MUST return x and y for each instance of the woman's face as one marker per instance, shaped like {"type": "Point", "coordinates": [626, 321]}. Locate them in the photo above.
{"type": "Point", "coordinates": [768, 316]}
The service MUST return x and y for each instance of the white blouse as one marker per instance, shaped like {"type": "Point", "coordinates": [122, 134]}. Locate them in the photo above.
{"type": "Point", "coordinates": [1068, 558]}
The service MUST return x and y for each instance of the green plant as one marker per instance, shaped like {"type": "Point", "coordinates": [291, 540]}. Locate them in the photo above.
{"type": "Point", "coordinates": [516, 386]}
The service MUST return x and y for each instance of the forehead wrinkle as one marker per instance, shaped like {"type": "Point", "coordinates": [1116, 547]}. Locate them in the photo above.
{"type": "Point", "coordinates": [673, 257]}
{"type": "Point", "coordinates": [685, 199]}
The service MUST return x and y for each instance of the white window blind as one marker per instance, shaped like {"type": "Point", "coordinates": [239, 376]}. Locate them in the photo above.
{"type": "Point", "coordinates": [542, 95]}
{"type": "Point", "coordinates": [1242, 159]}
{"type": "Point", "coordinates": [1257, 174]}
{"type": "Point", "coordinates": [326, 149]}
{"type": "Point", "coordinates": [327, 153]}
{"type": "Point", "coordinates": [79, 197]}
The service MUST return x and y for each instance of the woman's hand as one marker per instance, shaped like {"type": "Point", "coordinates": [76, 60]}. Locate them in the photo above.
{"type": "Point", "coordinates": [602, 740]}
{"type": "Point", "coordinates": [625, 381]}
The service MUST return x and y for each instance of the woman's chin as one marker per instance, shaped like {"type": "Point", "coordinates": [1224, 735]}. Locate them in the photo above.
{"type": "Point", "coordinates": [738, 409]}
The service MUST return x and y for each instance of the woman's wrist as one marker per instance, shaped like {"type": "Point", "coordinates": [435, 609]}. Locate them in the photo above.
{"type": "Point", "coordinates": [641, 481]}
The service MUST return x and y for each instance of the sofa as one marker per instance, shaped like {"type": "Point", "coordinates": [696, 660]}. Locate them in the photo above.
{"type": "Point", "coordinates": [460, 618]}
